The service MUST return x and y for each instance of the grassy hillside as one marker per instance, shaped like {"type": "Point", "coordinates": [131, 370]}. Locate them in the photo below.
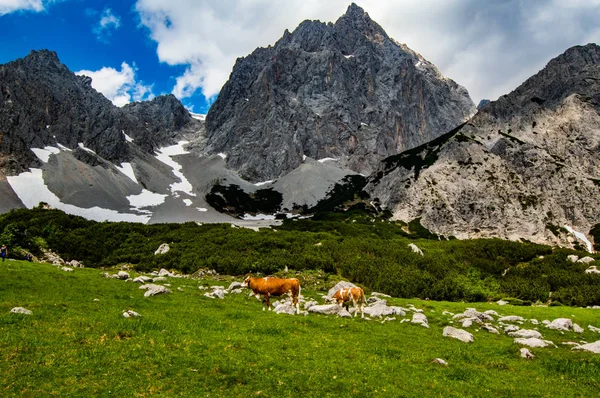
{"type": "Point", "coordinates": [188, 345]}
{"type": "Point", "coordinates": [354, 244]}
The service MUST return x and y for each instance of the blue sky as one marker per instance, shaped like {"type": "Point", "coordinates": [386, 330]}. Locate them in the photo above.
{"type": "Point", "coordinates": [137, 49]}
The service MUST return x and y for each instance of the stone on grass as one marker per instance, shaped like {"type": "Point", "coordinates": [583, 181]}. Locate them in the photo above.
{"type": "Point", "coordinates": [501, 302]}
{"type": "Point", "coordinates": [573, 258]}
{"type": "Point", "coordinates": [420, 319]}
{"type": "Point", "coordinates": [67, 269]}
{"type": "Point", "coordinates": [586, 260]}
{"type": "Point", "coordinates": [159, 279]}
{"type": "Point", "coordinates": [234, 285]}
{"type": "Point", "coordinates": [415, 249]}
{"type": "Point", "coordinates": [459, 334]}
{"type": "Point", "coordinates": [153, 290]}
{"type": "Point", "coordinates": [490, 328]}
{"type": "Point", "coordinates": [21, 310]}
{"type": "Point", "coordinates": [326, 309]}
{"type": "Point", "coordinates": [533, 342]}
{"type": "Point", "coordinates": [511, 318]}
{"type": "Point", "coordinates": [310, 303]}
{"type": "Point", "coordinates": [164, 272]}
{"type": "Point", "coordinates": [284, 308]}
{"type": "Point", "coordinates": [376, 294]}
{"type": "Point", "coordinates": [142, 279]}
{"type": "Point", "coordinates": [75, 264]}
{"type": "Point", "coordinates": [592, 270]}
{"type": "Point", "coordinates": [130, 314]}
{"type": "Point", "coordinates": [525, 353]}
{"type": "Point", "coordinates": [379, 309]}
{"type": "Point", "coordinates": [440, 361]}
{"type": "Point", "coordinates": [563, 324]}
{"type": "Point", "coordinates": [524, 333]}
{"type": "Point", "coordinates": [594, 328]}
{"type": "Point", "coordinates": [491, 313]}
{"type": "Point", "coordinates": [123, 275]}
{"type": "Point", "coordinates": [162, 249]}
{"type": "Point", "coordinates": [216, 293]}
{"type": "Point", "coordinates": [577, 328]}
{"type": "Point", "coordinates": [591, 347]}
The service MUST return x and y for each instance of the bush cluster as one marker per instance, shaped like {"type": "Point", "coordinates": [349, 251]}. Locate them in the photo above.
{"type": "Point", "coordinates": [353, 244]}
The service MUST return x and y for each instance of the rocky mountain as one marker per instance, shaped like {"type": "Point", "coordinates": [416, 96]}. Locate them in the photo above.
{"type": "Point", "coordinates": [43, 103]}
{"type": "Point", "coordinates": [527, 166]}
{"type": "Point", "coordinates": [342, 90]}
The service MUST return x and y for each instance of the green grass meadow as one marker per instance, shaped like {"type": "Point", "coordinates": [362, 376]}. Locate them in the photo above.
{"type": "Point", "coordinates": [186, 344]}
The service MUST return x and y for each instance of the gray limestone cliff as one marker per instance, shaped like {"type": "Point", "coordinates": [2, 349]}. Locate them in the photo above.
{"type": "Point", "coordinates": [345, 91]}
{"type": "Point", "coordinates": [527, 166]}
{"type": "Point", "coordinates": [43, 103]}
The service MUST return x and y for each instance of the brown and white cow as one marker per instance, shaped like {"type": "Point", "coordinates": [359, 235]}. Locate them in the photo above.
{"type": "Point", "coordinates": [268, 287]}
{"type": "Point", "coordinates": [354, 294]}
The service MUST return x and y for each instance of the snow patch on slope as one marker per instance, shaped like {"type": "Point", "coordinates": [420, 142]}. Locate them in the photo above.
{"type": "Point", "coordinates": [127, 169]}
{"type": "Point", "coordinates": [581, 236]}
{"type": "Point", "coordinates": [31, 190]}
{"type": "Point", "coordinates": [164, 155]}
{"type": "Point", "coordinates": [44, 154]}
{"type": "Point", "coordinates": [146, 199]}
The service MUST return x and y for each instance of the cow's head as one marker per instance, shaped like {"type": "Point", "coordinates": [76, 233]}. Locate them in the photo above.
{"type": "Point", "coordinates": [246, 281]}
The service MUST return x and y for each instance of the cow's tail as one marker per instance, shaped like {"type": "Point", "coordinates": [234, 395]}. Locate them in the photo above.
{"type": "Point", "coordinates": [298, 299]}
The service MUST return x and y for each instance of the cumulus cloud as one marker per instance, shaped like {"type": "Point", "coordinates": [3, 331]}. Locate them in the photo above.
{"type": "Point", "coordinates": [121, 86]}
{"type": "Point", "coordinates": [107, 24]}
{"type": "Point", "coordinates": [490, 47]}
{"type": "Point", "coordinates": [8, 6]}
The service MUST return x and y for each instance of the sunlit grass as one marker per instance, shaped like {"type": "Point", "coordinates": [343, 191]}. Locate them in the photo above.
{"type": "Point", "coordinates": [188, 345]}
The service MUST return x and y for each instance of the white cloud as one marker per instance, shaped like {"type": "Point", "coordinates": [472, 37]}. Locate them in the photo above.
{"type": "Point", "coordinates": [489, 47]}
{"type": "Point", "coordinates": [108, 22]}
{"type": "Point", "coordinates": [121, 86]}
{"type": "Point", "coordinates": [8, 6]}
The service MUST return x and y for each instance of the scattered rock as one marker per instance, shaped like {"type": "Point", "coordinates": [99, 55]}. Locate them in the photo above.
{"type": "Point", "coordinates": [573, 258]}
{"type": "Point", "coordinates": [511, 318]}
{"type": "Point", "coordinates": [577, 328]}
{"type": "Point", "coordinates": [162, 249]}
{"type": "Point", "coordinates": [153, 290]}
{"type": "Point", "coordinates": [67, 269]}
{"type": "Point", "coordinates": [592, 270]}
{"type": "Point", "coordinates": [21, 310]}
{"type": "Point", "coordinates": [123, 275]}
{"type": "Point", "coordinates": [511, 328]}
{"type": "Point", "coordinates": [491, 313]}
{"type": "Point", "coordinates": [592, 347]}
{"type": "Point", "coordinates": [143, 279]}
{"type": "Point", "coordinates": [459, 334]}
{"type": "Point", "coordinates": [326, 309]}
{"type": "Point", "coordinates": [440, 361]}
{"type": "Point", "coordinates": [525, 353]}
{"type": "Point", "coordinates": [309, 304]}
{"type": "Point", "coordinates": [415, 249]}
{"type": "Point", "coordinates": [164, 272]}
{"type": "Point", "coordinates": [75, 264]}
{"type": "Point", "coordinates": [159, 279]}
{"type": "Point", "coordinates": [534, 321]}
{"type": "Point", "coordinates": [379, 309]}
{"type": "Point", "coordinates": [420, 319]}
{"type": "Point", "coordinates": [130, 314]}
{"type": "Point", "coordinates": [96, 300]}
{"type": "Point", "coordinates": [216, 293]}
{"type": "Point", "coordinates": [533, 342]}
{"type": "Point", "coordinates": [448, 313]}
{"type": "Point", "coordinates": [501, 302]}
{"type": "Point", "coordinates": [594, 329]}
{"type": "Point", "coordinates": [586, 260]}
{"type": "Point", "coordinates": [524, 333]}
{"type": "Point", "coordinates": [234, 285]}
{"type": "Point", "coordinates": [490, 328]}
{"type": "Point", "coordinates": [285, 308]}
{"type": "Point", "coordinates": [563, 324]}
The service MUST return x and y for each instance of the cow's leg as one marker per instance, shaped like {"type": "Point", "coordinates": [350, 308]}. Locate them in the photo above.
{"type": "Point", "coordinates": [268, 301]}
{"type": "Point", "coordinates": [354, 304]}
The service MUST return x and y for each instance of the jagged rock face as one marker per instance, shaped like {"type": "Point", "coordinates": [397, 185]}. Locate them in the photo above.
{"type": "Point", "coordinates": [523, 167]}
{"type": "Point", "coordinates": [343, 90]}
{"type": "Point", "coordinates": [43, 103]}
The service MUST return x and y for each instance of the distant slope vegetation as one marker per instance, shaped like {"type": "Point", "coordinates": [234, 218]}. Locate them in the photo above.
{"type": "Point", "coordinates": [354, 244]}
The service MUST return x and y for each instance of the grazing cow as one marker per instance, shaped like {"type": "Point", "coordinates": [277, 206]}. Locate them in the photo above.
{"type": "Point", "coordinates": [354, 294]}
{"type": "Point", "coordinates": [268, 287]}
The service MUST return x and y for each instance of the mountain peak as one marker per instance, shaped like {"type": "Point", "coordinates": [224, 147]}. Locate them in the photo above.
{"type": "Point", "coordinates": [355, 12]}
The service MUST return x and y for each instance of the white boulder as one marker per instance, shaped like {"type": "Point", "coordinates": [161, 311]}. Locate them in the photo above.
{"type": "Point", "coordinates": [524, 333]}
{"type": "Point", "coordinates": [586, 260]}
{"type": "Point", "coordinates": [67, 269]}
{"type": "Point", "coordinates": [21, 310]}
{"type": "Point", "coordinates": [573, 258]}
{"type": "Point", "coordinates": [592, 270]}
{"type": "Point", "coordinates": [563, 324]}
{"type": "Point", "coordinates": [533, 342]}
{"type": "Point", "coordinates": [325, 309]}
{"type": "Point", "coordinates": [123, 275]}
{"type": "Point", "coordinates": [420, 319]}
{"type": "Point", "coordinates": [591, 347]}
{"type": "Point", "coordinates": [459, 334]}
{"type": "Point", "coordinates": [162, 249]}
{"type": "Point", "coordinates": [511, 318]}
{"type": "Point", "coordinates": [415, 249]}
{"type": "Point", "coordinates": [525, 353]}
{"type": "Point", "coordinates": [130, 314]}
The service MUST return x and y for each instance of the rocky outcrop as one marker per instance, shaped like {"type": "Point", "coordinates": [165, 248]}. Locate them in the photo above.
{"type": "Point", "coordinates": [43, 103]}
{"type": "Point", "coordinates": [526, 166]}
{"type": "Point", "coordinates": [345, 90]}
